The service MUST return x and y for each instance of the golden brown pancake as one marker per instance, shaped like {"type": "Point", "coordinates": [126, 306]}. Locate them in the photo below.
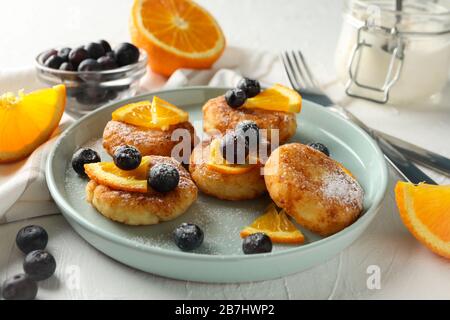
{"type": "Point", "coordinates": [219, 116]}
{"type": "Point", "coordinates": [248, 185]}
{"type": "Point", "coordinates": [313, 188]}
{"type": "Point", "coordinates": [147, 141]}
{"type": "Point", "coordinates": [144, 208]}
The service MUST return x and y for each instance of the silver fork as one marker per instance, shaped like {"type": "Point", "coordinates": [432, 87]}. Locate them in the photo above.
{"type": "Point", "coordinates": [303, 81]}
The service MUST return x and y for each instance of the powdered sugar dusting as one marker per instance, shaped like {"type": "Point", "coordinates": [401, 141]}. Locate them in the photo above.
{"type": "Point", "coordinates": [342, 188]}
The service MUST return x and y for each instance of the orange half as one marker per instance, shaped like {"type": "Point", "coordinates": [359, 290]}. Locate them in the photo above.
{"type": "Point", "coordinates": [276, 225]}
{"type": "Point", "coordinates": [176, 34]}
{"type": "Point", "coordinates": [28, 120]}
{"type": "Point", "coordinates": [107, 174]}
{"type": "Point", "coordinates": [425, 211]}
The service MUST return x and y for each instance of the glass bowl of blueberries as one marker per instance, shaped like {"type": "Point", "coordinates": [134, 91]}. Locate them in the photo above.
{"type": "Point", "coordinates": [93, 74]}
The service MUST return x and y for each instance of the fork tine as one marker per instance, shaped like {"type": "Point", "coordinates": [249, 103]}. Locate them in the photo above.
{"type": "Point", "coordinates": [296, 73]}
{"type": "Point", "coordinates": [301, 69]}
{"type": "Point", "coordinates": [289, 70]}
{"type": "Point", "coordinates": [307, 70]}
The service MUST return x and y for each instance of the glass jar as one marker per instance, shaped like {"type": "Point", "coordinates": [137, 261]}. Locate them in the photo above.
{"type": "Point", "coordinates": [389, 55]}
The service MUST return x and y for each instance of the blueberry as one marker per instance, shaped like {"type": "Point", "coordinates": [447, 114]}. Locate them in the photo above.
{"type": "Point", "coordinates": [235, 97]}
{"type": "Point", "coordinates": [126, 54]}
{"type": "Point", "coordinates": [39, 265]}
{"type": "Point", "coordinates": [127, 157]}
{"type": "Point", "coordinates": [188, 236]}
{"type": "Point", "coordinates": [250, 130]}
{"type": "Point", "coordinates": [257, 243]}
{"type": "Point", "coordinates": [54, 62]}
{"type": "Point", "coordinates": [320, 147]}
{"type": "Point", "coordinates": [107, 63]}
{"type": "Point", "coordinates": [111, 54]}
{"type": "Point", "coordinates": [77, 55]}
{"type": "Point", "coordinates": [89, 65]}
{"type": "Point", "coordinates": [250, 86]}
{"type": "Point", "coordinates": [105, 45]}
{"type": "Point", "coordinates": [31, 238]}
{"type": "Point", "coordinates": [48, 54]}
{"type": "Point", "coordinates": [66, 66]}
{"type": "Point", "coordinates": [82, 157]}
{"type": "Point", "coordinates": [163, 177]}
{"type": "Point", "coordinates": [64, 53]}
{"type": "Point", "coordinates": [234, 148]}
{"type": "Point", "coordinates": [19, 287]}
{"type": "Point", "coordinates": [95, 50]}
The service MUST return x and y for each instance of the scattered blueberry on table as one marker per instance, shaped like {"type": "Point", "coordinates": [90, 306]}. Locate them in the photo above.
{"type": "Point", "coordinates": [163, 177]}
{"type": "Point", "coordinates": [257, 243]}
{"type": "Point", "coordinates": [31, 238]}
{"type": "Point", "coordinates": [39, 265]}
{"type": "Point", "coordinates": [127, 157]}
{"type": "Point", "coordinates": [19, 287]}
{"type": "Point", "coordinates": [188, 236]}
{"type": "Point", "coordinates": [82, 157]}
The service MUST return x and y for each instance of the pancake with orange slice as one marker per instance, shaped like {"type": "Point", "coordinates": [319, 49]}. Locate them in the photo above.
{"type": "Point", "coordinates": [215, 177]}
{"type": "Point", "coordinates": [313, 188]}
{"type": "Point", "coordinates": [124, 196]}
{"type": "Point", "coordinates": [148, 126]}
{"type": "Point", "coordinates": [273, 108]}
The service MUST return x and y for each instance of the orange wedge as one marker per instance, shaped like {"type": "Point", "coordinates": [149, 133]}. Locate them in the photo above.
{"type": "Point", "coordinates": [217, 163]}
{"type": "Point", "coordinates": [165, 114]}
{"type": "Point", "coordinates": [159, 114]}
{"type": "Point", "coordinates": [176, 34]}
{"type": "Point", "coordinates": [137, 114]}
{"type": "Point", "coordinates": [107, 174]}
{"type": "Point", "coordinates": [28, 120]}
{"type": "Point", "coordinates": [276, 225]}
{"type": "Point", "coordinates": [276, 98]}
{"type": "Point", "coordinates": [425, 211]}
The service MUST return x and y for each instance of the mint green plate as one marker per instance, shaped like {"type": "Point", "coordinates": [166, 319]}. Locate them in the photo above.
{"type": "Point", "coordinates": [220, 258]}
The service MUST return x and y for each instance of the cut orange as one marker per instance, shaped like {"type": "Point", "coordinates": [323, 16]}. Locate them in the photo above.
{"type": "Point", "coordinates": [165, 114]}
{"type": "Point", "coordinates": [276, 225]}
{"type": "Point", "coordinates": [176, 34]}
{"type": "Point", "coordinates": [28, 120]}
{"type": "Point", "coordinates": [217, 163]}
{"type": "Point", "coordinates": [159, 114]}
{"type": "Point", "coordinates": [425, 211]}
{"type": "Point", "coordinates": [137, 114]}
{"type": "Point", "coordinates": [276, 98]}
{"type": "Point", "coordinates": [107, 174]}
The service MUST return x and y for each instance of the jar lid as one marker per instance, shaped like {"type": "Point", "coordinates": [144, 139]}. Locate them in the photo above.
{"type": "Point", "coordinates": [415, 17]}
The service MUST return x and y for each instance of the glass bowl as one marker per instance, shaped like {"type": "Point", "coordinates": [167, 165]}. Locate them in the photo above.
{"type": "Point", "coordinates": [88, 90]}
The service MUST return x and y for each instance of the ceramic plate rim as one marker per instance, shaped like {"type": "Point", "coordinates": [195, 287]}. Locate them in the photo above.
{"type": "Point", "coordinates": [67, 208]}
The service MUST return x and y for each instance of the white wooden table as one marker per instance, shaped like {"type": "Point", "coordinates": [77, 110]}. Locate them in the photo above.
{"type": "Point", "coordinates": [30, 26]}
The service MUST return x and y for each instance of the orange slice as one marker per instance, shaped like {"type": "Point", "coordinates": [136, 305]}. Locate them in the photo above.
{"type": "Point", "coordinates": [28, 120]}
{"type": "Point", "coordinates": [276, 98]}
{"type": "Point", "coordinates": [217, 163]}
{"type": "Point", "coordinates": [107, 174]}
{"type": "Point", "coordinates": [159, 114]}
{"type": "Point", "coordinates": [137, 114]}
{"type": "Point", "coordinates": [276, 225]}
{"type": "Point", "coordinates": [165, 114]}
{"type": "Point", "coordinates": [176, 34]}
{"type": "Point", "coordinates": [425, 211]}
